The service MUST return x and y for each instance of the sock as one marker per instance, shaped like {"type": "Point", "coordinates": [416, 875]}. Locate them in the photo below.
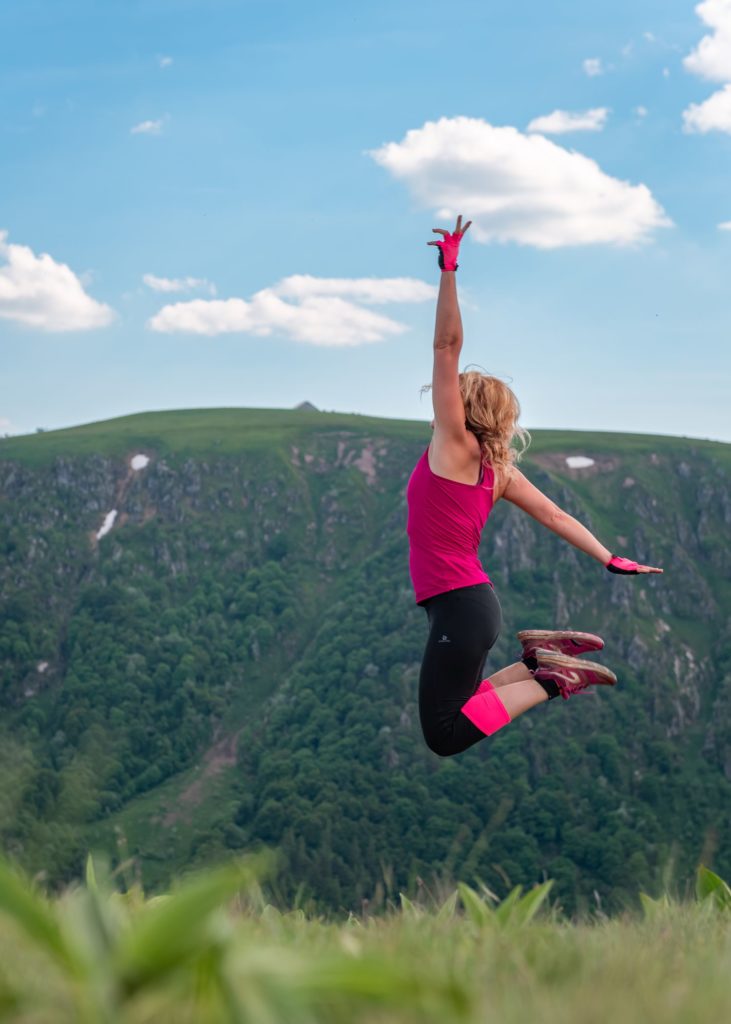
{"type": "Point", "coordinates": [550, 687]}
{"type": "Point", "coordinates": [485, 709]}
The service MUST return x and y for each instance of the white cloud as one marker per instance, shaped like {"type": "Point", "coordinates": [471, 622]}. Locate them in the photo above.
{"type": "Point", "coordinates": [592, 67]}
{"type": "Point", "coordinates": [165, 62]}
{"type": "Point", "coordinates": [39, 292]}
{"type": "Point", "coordinates": [666, 72]}
{"type": "Point", "coordinates": [641, 111]}
{"type": "Point", "coordinates": [318, 315]}
{"type": "Point", "coordinates": [177, 284]}
{"type": "Point", "coordinates": [147, 128]}
{"type": "Point", "coordinates": [372, 290]}
{"type": "Point", "coordinates": [649, 36]}
{"type": "Point", "coordinates": [561, 121]}
{"type": "Point", "coordinates": [516, 187]}
{"type": "Point", "coordinates": [714, 114]}
{"type": "Point", "coordinates": [711, 58]}
{"type": "Point", "coordinates": [6, 427]}
{"type": "Point", "coordinates": [725, 225]}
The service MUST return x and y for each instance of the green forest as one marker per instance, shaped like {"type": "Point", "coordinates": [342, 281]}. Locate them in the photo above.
{"type": "Point", "coordinates": [233, 664]}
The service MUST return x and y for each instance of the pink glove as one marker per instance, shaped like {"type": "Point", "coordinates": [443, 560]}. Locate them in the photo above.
{"type": "Point", "coordinates": [449, 246]}
{"type": "Point", "coordinates": [626, 567]}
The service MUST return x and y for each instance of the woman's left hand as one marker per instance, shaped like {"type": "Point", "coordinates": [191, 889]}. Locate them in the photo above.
{"type": "Point", "coordinates": [626, 567]}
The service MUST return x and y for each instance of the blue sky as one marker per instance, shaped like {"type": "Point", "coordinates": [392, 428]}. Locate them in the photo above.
{"type": "Point", "coordinates": [237, 153]}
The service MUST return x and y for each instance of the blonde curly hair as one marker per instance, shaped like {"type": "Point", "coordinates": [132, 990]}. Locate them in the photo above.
{"type": "Point", "coordinates": [491, 414]}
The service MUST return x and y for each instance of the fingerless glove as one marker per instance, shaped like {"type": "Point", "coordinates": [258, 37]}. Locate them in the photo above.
{"type": "Point", "coordinates": [448, 251]}
{"type": "Point", "coordinates": [622, 566]}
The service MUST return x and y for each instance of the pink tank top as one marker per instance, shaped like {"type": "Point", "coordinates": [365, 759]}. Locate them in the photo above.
{"type": "Point", "coordinates": [444, 525]}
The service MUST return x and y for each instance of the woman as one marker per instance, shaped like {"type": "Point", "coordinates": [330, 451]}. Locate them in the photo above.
{"type": "Point", "coordinates": [468, 466]}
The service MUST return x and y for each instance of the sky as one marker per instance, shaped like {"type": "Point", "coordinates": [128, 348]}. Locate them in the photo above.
{"type": "Point", "coordinates": [209, 203]}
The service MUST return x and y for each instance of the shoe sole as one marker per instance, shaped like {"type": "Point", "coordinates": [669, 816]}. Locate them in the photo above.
{"type": "Point", "coordinates": [526, 636]}
{"type": "Point", "coordinates": [553, 659]}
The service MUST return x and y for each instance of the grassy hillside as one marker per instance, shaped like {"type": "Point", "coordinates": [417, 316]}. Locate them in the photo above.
{"type": "Point", "coordinates": [231, 430]}
{"type": "Point", "coordinates": [235, 662]}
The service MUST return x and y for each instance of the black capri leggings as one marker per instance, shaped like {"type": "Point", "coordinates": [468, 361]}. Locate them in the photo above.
{"type": "Point", "coordinates": [463, 625]}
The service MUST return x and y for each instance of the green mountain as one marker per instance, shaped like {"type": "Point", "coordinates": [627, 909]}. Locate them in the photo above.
{"type": "Point", "coordinates": [209, 641]}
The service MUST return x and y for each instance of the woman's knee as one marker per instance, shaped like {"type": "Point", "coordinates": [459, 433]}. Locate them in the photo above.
{"type": "Point", "coordinates": [442, 746]}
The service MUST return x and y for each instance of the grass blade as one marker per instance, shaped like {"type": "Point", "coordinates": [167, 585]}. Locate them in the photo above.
{"type": "Point", "coordinates": [37, 919]}
{"type": "Point", "coordinates": [504, 911]}
{"type": "Point", "coordinates": [527, 908]}
{"type": "Point", "coordinates": [651, 906]}
{"type": "Point", "coordinates": [710, 886]}
{"type": "Point", "coordinates": [447, 909]}
{"type": "Point", "coordinates": [477, 910]}
{"type": "Point", "coordinates": [408, 909]}
{"type": "Point", "coordinates": [172, 932]}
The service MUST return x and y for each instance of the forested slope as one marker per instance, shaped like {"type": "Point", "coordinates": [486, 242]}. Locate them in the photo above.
{"type": "Point", "coordinates": [234, 661]}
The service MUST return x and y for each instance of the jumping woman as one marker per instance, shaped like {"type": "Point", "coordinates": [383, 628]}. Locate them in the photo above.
{"type": "Point", "coordinates": [467, 468]}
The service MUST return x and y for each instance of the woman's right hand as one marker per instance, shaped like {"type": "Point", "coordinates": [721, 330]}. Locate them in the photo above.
{"type": "Point", "coordinates": [449, 246]}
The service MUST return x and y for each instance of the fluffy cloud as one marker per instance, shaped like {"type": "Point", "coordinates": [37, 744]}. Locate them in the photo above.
{"type": "Point", "coordinates": [714, 114]}
{"type": "Point", "coordinates": [725, 225]}
{"type": "Point", "coordinates": [561, 121]}
{"type": "Point", "coordinates": [516, 187]}
{"type": "Point", "coordinates": [177, 284]}
{"type": "Point", "coordinates": [39, 292]}
{"type": "Point", "coordinates": [147, 128]}
{"type": "Point", "coordinates": [711, 59]}
{"type": "Point", "coordinates": [371, 290]}
{"type": "Point", "coordinates": [319, 313]}
{"type": "Point", "coordinates": [592, 67]}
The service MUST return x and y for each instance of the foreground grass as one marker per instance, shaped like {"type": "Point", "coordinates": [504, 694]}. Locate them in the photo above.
{"type": "Point", "coordinates": [213, 950]}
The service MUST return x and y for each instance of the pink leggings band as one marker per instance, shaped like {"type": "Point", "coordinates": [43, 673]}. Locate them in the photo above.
{"type": "Point", "coordinates": [485, 709]}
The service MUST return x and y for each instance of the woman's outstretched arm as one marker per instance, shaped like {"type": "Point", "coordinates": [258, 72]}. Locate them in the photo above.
{"type": "Point", "coordinates": [521, 492]}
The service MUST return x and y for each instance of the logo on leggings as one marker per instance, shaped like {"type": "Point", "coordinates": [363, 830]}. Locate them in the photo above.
{"type": "Point", "coordinates": [445, 639]}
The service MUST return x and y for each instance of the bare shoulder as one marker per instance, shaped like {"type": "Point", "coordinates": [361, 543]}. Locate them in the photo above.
{"type": "Point", "coordinates": [513, 482]}
{"type": "Point", "coordinates": [504, 475]}
{"type": "Point", "coordinates": [455, 457]}
{"type": "Point", "coordinates": [521, 492]}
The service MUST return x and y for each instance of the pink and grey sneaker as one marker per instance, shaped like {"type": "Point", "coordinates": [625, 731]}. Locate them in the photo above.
{"type": "Point", "coordinates": [566, 641]}
{"type": "Point", "coordinates": [571, 675]}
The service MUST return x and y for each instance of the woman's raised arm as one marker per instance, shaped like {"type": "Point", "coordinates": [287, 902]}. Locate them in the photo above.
{"type": "Point", "coordinates": [448, 326]}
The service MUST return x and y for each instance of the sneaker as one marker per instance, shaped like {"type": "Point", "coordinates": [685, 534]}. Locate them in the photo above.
{"type": "Point", "coordinates": [571, 675]}
{"type": "Point", "coordinates": [566, 641]}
